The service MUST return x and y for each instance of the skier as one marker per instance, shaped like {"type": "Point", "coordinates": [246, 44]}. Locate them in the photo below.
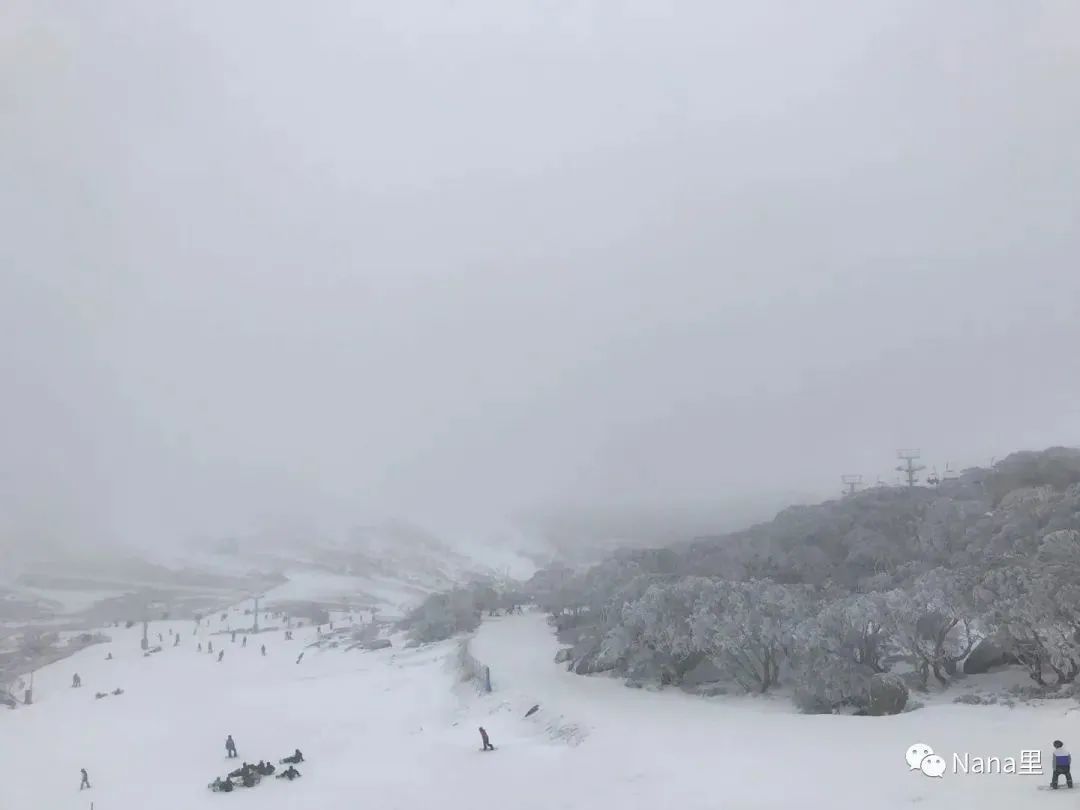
{"type": "Point", "coordinates": [200, 646]}
{"type": "Point", "coordinates": [233, 636]}
{"type": "Point", "coordinates": [220, 655]}
{"type": "Point", "coordinates": [108, 657]}
{"type": "Point", "coordinates": [76, 681]}
{"type": "Point", "coordinates": [209, 646]}
{"type": "Point", "coordinates": [264, 649]}
{"type": "Point", "coordinates": [230, 747]}
{"type": "Point", "coordinates": [487, 742]}
{"type": "Point", "coordinates": [160, 638]}
{"type": "Point", "coordinates": [299, 657]}
{"type": "Point", "coordinates": [244, 642]}
{"type": "Point", "coordinates": [1062, 764]}
{"type": "Point", "coordinates": [177, 642]}
{"type": "Point", "coordinates": [85, 783]}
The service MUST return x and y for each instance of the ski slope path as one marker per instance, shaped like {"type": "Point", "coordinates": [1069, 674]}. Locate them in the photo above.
{"type": "Point", "coordinates": [398, 729]}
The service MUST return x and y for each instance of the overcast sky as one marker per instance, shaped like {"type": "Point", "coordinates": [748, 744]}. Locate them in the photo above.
{"type": "Point", "coordinates": [453, 260]}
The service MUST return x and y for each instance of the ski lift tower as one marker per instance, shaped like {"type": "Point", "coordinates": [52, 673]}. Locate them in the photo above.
{"type": "Point", "coordinates": [851, 483]}
{"type": "Point", "coordinates": [145, 643]}
{"type": "Point", "coordinates": [909, 468]}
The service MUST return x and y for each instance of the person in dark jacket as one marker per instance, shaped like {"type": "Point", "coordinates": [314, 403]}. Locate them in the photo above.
{"type": "Point", "coordinates": [290, 773]}
{"type": "Point", "coordinates": [76, 681]}
{"type": "Point", "coordinates": [85, 783]}
{"type": "Point", "coordinates": [294, 758]}
{"type": "Point", "coordinates": [220, 655]}
{"type": "Point", "coordinates": [264, 649]}
{"type": "Point", "coordinates": [487, 742]}
{"type": "Point", "coordinates": [230, 747]}
{"type": "Point", "coordinates": [1062, 764]}
{"type": "Point", "coordinates": [243, 642]}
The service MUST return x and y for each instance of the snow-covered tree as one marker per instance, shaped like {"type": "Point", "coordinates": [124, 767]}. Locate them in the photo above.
{"type": "Point", "coordinates": [747, 628]}
{"type": "Point", "coordinates": [837, 652]}
{"type": "Point", "coordinates": [933, 622]}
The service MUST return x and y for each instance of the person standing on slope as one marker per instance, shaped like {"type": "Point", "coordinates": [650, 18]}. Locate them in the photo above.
{"type": "Point", "coordinates": [1062, 764]}
{"type": "Point", "coordinates": [85, 783]}
{"type": "Point", "coordinates": [230, 747]}
{"type": "Point", "coordinates": [487, 742]}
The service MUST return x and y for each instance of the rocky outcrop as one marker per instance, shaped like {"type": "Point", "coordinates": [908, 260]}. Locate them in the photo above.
{"type": "Point", "coordinates": [987, 655]}
{"type": "Point", "coordinates": [887, 695]}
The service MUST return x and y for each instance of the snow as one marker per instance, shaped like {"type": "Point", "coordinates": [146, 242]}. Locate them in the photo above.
{"type": "Point", "coordinates": [69, 601]}
{"type": "Point", "coordinates": [323, 586]}
{"type": "Point", "coordinates": [397, 729]}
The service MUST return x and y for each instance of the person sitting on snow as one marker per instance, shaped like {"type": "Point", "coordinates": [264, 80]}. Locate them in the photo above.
{"type": "Point", "coordinates": [295, 758]}
{"type": "Point", "coordinates": [1062, 764]}
{"type": "Point", "coordinates": [290, 774]}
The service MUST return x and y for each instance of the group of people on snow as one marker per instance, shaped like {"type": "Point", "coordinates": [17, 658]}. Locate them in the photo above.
{"type": "Point", "coordinates": [249, 775]}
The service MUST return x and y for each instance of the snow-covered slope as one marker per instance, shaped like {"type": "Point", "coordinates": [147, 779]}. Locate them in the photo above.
{"type": "Point", "coordinates": [396, 729]}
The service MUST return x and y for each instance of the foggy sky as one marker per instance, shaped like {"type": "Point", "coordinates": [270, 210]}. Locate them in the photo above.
{"type": "Point", "coordinates": [454, 261]}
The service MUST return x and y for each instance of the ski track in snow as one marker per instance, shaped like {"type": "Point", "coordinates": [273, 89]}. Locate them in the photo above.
{"type": "Point", "coordinates": [397, 729]}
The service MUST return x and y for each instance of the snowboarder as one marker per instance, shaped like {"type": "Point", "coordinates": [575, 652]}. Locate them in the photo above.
{"type": "Point", "coordinates": [1062, 764]}
{"type": "Point", "coordinates": [299, 657]}
{"type": "Point", "coordinates": [264, 649]}
{"type": "Point", "coordinates": [108, 657]}
{"type": "Point", "coordinates": [290, 774]}
{"type": "Point", "coordinates": [200, 646]}
{"type": "Point", "coordinates": [160, 638]}
{"type": "Point", "coordinates": [487, 742]}
{"type": "Point", "coordinates": [118, 691]}
{"type": "Point", "coordinates": [177, 642]}
{"type": "Point", "coordinates": [230, 747]}
{"type": "Point", "coordinates": [76, 681]}
{"type": "Point", "coordinates": [244, 642]}
{"type": "Point", "coordinates": [233, 636]}
{"type": "Point", "coordinates": [85, 783]}
{"type": "Point", "coordinates": [220, 655]}
{"type": "Point", "coordinates": [294, 758]}
{"type": "Point", "coordinates": [210, 647]}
